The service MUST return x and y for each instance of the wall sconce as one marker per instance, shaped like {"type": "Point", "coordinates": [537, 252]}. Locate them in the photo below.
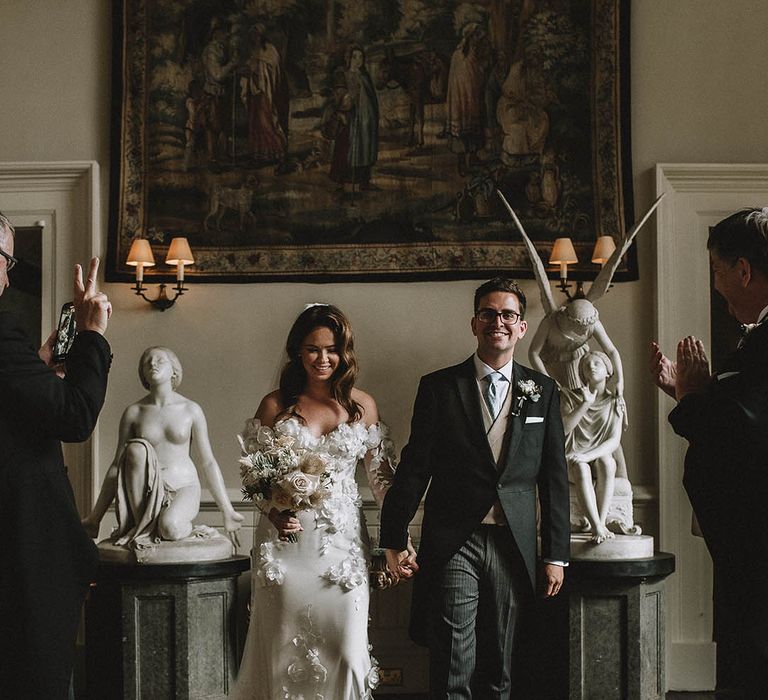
{"type": "Point", "coordinates": [563, 254]}
{"type": "Point", "coordinates": [140, 256]}
{"type": "Point", "coordinates": [604, 248]}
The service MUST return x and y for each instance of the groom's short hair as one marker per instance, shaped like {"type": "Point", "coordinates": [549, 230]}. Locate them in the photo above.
{"type": "Point", "coordinates": [500, 284]}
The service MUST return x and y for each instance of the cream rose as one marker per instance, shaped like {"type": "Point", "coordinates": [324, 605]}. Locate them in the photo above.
{"type": "Point", "coordinates": [299, 486]}
{"type": "Point", "coordinates": [312, 464]}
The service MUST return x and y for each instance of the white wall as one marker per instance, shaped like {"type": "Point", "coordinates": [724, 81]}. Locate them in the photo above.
{"type": "Point", "coordinates": [698, 69]}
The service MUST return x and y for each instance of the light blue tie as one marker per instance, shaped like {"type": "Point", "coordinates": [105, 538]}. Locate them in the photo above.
{"type": "Point", "coordinates": [493, 392]}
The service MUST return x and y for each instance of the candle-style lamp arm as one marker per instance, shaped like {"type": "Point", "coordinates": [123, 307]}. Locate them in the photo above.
{"type": "Point", "coordinates": [162, 301]}
{"type": "Point", "coordinates": [564, 286]}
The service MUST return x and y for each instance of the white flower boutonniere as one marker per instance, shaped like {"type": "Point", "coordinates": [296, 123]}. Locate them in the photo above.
{"type": "Point", "coordinates": [527, 390]}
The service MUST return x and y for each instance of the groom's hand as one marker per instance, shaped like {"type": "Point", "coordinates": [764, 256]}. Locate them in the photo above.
{"type": "Point", "coordinates": [401, 564]}
{"type": "Point", "coordinates": [553, 579]}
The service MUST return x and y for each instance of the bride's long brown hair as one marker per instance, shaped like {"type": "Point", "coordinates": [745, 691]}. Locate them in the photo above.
{"type": "Point", "coordinates": [293, 378]}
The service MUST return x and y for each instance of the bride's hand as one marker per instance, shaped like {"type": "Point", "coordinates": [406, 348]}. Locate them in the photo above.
{"type": "Point", "coordinates": [285, 521]}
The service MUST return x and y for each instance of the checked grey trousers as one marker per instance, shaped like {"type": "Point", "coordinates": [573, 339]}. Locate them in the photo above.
{"type": "Point", "coordinates": [479, 599]}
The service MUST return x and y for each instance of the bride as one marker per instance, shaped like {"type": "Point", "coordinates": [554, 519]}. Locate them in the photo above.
{"type": "Point", "coordinates": [308, 634]}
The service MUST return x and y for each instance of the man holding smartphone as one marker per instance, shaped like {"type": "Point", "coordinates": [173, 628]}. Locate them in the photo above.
{"type": "Point", "coordinates": [46, 558]}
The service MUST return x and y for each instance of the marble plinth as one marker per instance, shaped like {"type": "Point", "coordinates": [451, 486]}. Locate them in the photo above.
{"type": "Point", "coordinates": [162, 631]}
{"type": "Point", "coordinates": [616, 623]}
{"type": "Point", "coordinates": [204, 544]}
{"type": "Point", "coordinates": [617, 548]}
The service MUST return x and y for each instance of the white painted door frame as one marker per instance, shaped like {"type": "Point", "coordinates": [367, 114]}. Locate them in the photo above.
{"type": "Point", "coordinates": [64, 198]}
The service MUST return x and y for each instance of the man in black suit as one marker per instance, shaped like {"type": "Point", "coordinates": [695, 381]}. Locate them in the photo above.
{"type": "Point", "coordinates": [724, 417]}
{"type": "Point", "coordinates": [46, 558]}
{"type": "Point", "coordinates": [485, 436]}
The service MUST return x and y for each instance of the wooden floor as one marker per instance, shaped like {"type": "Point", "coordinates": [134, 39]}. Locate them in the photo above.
{"type": "Point", "coordinates": [670, 696]}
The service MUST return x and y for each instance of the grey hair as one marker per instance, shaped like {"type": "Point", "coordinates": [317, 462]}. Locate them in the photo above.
{"type": "Point", "coordinates": [760, 219]}
{"type": "Point", "coordinates": [6, 228]}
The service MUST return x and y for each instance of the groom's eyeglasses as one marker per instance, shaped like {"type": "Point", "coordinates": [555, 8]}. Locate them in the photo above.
{"type": "Point", "coordinates": [10, 260]}
{"type": "Point", "coordinates": [508, 318]}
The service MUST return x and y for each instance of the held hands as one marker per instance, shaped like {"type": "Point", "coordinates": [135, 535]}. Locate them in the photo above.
{"type": "Point", "coordinates": [402, 564]}
{"type": "Point", "coordinates": [92, 308]}
{"type": "Point", "coordinates": [693, 374]}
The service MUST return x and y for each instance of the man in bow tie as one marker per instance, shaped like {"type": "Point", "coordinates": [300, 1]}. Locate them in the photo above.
{"type": "Point", "coordinates": [487, 439]}
{"type": "Point", "coordinates": [724, 417]}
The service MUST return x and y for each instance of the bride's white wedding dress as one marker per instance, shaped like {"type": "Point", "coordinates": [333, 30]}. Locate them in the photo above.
{"type": "Point", "coordinates": [308, 632]}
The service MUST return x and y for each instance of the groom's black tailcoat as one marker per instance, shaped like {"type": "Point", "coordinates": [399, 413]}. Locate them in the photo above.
{"type": "Point", "coordinates": [448, 451]}
{"type": "Point", "coordinates": [46, 558]}
{"type": "Point", "coordinates": [726, 478]}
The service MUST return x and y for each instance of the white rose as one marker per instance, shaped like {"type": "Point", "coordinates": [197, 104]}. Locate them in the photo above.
{"type": "Point", "coordinates": [299, 485]}
{"type": "Point", "coordinates": [374, 436]}
{"type": "Point", "coordinates": [290, 427]}
{"type": "Point", "coordinates": [264, 435]}
{"type": "Point", "coordinates": [273, 574]}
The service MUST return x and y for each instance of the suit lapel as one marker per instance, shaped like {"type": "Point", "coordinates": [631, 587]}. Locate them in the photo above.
{"type": "Point", "coordinates": [466, 384]}
{"type": "Point", "coordinates": [515, 423]}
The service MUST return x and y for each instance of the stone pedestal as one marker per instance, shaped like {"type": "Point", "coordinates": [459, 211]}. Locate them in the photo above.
{"type": "Point", "coordinates": [165, 631]}
{"type": "Point", "coordinates": [616, 625]}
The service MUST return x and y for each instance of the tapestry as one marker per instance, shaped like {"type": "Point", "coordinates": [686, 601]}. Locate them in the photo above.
{"type": "Point", "coordinates": [332, 140]}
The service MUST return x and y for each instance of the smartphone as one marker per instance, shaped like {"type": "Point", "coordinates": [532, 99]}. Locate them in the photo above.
{"type": "Point", "coordinates": [65, 334]}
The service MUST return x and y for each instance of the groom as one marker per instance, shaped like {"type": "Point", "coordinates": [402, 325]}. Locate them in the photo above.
{"type": "Point", "coordinates": [485, 435]}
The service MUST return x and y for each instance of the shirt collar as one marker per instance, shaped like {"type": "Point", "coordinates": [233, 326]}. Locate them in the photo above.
{"type": "Point", "coordinates": [762, 315]}
{"type": "Point", "coordinates": [482, 370]}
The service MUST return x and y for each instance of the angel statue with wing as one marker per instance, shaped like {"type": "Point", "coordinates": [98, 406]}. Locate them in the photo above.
{"type": "Point", "coordinates": [591, 382]}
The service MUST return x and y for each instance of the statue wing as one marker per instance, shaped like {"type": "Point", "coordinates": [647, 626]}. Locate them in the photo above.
{"type": "Point", "coordinates": [604, 277]}
{"type": "Point", "coordinates": [536, 262]}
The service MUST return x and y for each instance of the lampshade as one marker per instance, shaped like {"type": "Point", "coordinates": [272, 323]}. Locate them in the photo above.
{"type": "Point", "coordinates": [563, 252]}
{"type": "Point", "coordinates": [179, 252]}
{"type": "Point", "coordinates": [604, 247]}
{"type": "Point", "coordinates": [140, 253]}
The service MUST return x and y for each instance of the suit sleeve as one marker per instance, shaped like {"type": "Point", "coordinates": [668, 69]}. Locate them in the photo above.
{"type": "Point", "coordinates": [413, 473]}
{"type": "Point", "coordinates": [553, 487]}
{"type": "Point", "coordinates": [700, 417]}
{"type": "Point", "coordinates": [65, 409]}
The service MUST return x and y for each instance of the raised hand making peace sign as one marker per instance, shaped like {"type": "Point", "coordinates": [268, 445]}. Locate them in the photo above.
{"type": "Point", "coordinates": [92, 308]}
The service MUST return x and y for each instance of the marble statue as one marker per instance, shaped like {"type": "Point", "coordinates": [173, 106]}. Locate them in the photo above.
{"type": "Point", "coordinates": [153, 480]}
{"type": "Point", "coordinates": [591, 384]}
{"type": "Point", "coordinates": [593, 417]}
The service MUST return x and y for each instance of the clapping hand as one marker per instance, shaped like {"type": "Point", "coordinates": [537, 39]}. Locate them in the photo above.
{"type": "Point", "coordinates": [663, 370]}
{"type": "Point", "coordinates": [693, 374]}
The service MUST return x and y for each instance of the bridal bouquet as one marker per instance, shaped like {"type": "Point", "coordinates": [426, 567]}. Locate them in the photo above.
{"type": "Point", "coordinates": [278, 469]}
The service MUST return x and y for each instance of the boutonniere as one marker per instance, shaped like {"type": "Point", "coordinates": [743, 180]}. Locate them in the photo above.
{"type": "Point", "coordinates": [527, 390]}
